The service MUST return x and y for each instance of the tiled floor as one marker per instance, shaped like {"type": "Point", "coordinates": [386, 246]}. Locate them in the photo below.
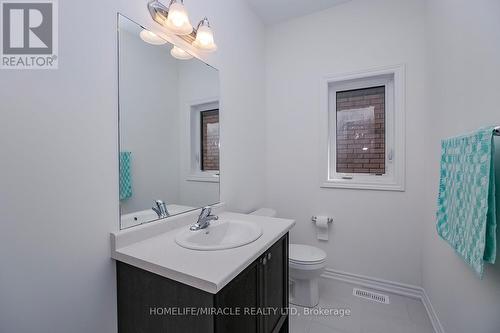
{"type": "Point", "coordinates": [402, 315]}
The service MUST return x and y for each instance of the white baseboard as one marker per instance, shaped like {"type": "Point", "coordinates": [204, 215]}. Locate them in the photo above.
{"type": "Point", "coordinates": [374, 283]}
{"type": "Point", "coordinates": [438, 328]}
{"type": "Point", "coordinates": [391, 287]}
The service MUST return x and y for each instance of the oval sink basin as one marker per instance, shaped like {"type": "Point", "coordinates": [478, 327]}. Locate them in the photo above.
{"type": "Point", "coordinates": [219, 235]}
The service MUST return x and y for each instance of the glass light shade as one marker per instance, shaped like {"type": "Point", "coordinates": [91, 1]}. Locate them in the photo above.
{"type": "Point", "coordinates": [180, 54]}
{"type": "Point", "coordinates": [178, 20]}
{"type": "Point", "coordinates": [205, 39]}
{"type": "Point", "coordinates": [151, 37]}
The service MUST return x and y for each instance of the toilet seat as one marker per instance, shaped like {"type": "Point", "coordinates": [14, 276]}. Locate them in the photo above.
{"type": "Point", "coordinates": [305, 255]}
{"type": "Point", "coordinates": [306, 267]}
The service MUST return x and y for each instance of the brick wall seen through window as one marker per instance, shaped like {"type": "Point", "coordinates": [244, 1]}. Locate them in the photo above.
{"type": "Point", "coordinates": [361, 131]}
{"type": "Point", "coordinates": [210, 140]}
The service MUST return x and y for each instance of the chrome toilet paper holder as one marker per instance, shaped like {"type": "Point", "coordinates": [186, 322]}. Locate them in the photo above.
{"type": "Point", "coordinates": [315, 218]}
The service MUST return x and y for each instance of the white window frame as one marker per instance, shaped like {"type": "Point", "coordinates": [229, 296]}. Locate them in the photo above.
{"type": "Point", "coordinates": [196, 174]}
{"type": "Point", "coordinates": [393, 78]}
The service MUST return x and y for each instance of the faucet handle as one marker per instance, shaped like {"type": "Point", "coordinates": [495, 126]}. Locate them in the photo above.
{"type": "Point", "coordinates": [157, 211]}
{"type": "Point", "coordinates": [206, 211]}
{"type": "Point", "coordinates": [161, 209]}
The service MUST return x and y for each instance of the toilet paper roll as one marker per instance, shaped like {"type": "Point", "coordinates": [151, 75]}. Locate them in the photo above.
{"type": "Point", "coordinates": [322, 227]}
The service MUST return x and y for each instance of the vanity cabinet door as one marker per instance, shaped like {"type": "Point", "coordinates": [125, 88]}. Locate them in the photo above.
{"type": "Point", "coordinates": [261, 288]}
{"type": "Point", "coordinates": [241, 294]}
{"type": "Point", "coordinates": [144, 298]}
{"type": "Point", "coordinates": [275, 285]}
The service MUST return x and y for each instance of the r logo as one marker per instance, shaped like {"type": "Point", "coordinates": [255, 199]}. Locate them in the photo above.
{"type": "Point", "coordinates": [29, 28]}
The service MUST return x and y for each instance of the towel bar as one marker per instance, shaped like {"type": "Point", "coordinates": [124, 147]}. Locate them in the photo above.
{"type": "Point", "coordinates": [496, 131]}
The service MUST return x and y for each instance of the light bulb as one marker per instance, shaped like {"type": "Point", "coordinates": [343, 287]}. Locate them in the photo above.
{"type": "Point", "coordinates": [205, 37]}
{"type": "Point", "coordinates": [178, 20]}
{"type": "Point", "coordinates": [180, 54]}
{"type": "Point", "coordinates": [151, 37]}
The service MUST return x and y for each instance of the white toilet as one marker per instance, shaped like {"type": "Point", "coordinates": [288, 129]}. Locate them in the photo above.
{"type": "Point", "coordinates": [305, 263]}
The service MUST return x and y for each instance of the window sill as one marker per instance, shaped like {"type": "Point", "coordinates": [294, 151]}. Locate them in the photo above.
{"type": "Point", "coordinates": [350, 184]}
{"type": "Point", "coordinates": [206, 178]}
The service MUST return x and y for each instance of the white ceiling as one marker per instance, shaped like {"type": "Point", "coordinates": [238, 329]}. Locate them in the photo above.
{"type": "Point", "coordinates": [275, 11]}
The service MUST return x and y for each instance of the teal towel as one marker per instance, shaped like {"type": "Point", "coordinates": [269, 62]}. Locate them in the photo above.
{"type": "Point", "coordinates": [125, 175]}
{"type": "Point", "coordinates": [466, 216]}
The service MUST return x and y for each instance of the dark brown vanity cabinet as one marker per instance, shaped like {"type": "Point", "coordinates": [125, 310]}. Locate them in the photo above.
{"type": "Point", "coordinates": [254, 301]}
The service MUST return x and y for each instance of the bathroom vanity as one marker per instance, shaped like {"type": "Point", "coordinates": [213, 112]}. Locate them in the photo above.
{"type": "Point", "coordinates": [165, 287]}
{"type": "Point", "coordinates": [229, 276]}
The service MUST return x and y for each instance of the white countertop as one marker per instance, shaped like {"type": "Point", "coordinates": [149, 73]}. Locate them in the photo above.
{"type": "Point", "coordinates": [153, 248]}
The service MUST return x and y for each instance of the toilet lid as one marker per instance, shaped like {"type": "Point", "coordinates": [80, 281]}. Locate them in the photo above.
{"type": "Point", "coordinates": [306, 254]}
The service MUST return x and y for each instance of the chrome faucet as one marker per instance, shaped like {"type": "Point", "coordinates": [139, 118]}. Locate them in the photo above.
{"type": "Point", "coordinates": [161, 209]}
{"type": "Point", "coordinates": [204, 219]}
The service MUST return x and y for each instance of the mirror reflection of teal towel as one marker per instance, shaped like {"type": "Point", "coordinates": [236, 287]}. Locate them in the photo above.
{"type": "Point", "coordinates": [125, 175]}
{"type": "Point", "coordinates": [466, 216]}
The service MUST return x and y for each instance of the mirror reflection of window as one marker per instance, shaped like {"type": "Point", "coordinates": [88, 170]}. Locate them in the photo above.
{"type": "Point", "coordinates": [209, 140]}
{"type": "Point", "coordinates": [204, 137]}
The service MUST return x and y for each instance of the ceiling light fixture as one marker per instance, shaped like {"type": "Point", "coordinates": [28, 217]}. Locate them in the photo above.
{"type": "Point", "coordinates": [180, 54]}
{"type": "Point", "coordinates": [151, 37]}
{"type": "Point", "coordinates": [205, 36]}
{"type": "Point", "coordinates": [174, 17]}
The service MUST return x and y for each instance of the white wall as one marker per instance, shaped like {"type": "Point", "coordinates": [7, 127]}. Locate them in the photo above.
{"type": "Point", "coordinates": [375, 233]}
{"type": "Point", "coordinates": [464, 81]}
{"type": "Point", "coordinates": [59, 182]}
{"type": "Point", "coordinates": [59, 165]}
{"type": "Point", "coordinates": [149, 120]}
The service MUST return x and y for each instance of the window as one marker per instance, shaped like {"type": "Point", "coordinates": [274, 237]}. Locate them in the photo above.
{"type": "Point", "coordinates": [361, 131]}
{"type": "Point", "coordinates": [210, 140]}
{"type": "Point", "coordinates": [365, 135]}
{"type": "Point", "coordinates": [204, 132]}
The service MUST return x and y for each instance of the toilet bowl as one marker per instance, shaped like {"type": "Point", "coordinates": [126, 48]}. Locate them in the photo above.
{"type": "Point", "coordinates": [306, 263]}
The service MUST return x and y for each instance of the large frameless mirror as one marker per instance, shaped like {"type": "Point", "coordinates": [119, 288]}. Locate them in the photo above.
{"type": "Point", "coordinates": [169, 128]}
